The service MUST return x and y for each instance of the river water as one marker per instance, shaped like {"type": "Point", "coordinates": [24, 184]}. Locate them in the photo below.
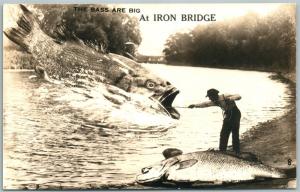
{"type": "Point", "coordinates": [47, 144]}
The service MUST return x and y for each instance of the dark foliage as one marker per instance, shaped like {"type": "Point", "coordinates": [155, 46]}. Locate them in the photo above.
{"type": "Point", "coordinates": [251, 42]}
{"type": "Point", "coordinates": [104, 31]}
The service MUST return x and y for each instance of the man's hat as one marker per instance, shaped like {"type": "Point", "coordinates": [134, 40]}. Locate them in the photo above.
{"type": "Point", "coordinates": [212, 92]}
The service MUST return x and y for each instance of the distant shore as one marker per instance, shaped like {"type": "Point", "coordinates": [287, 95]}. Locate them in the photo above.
{"type": "Point", "coordinates": [245, 67]}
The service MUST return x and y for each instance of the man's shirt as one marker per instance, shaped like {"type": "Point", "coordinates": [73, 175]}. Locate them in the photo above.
{"type": "Point", "coordinates": [225, 101]}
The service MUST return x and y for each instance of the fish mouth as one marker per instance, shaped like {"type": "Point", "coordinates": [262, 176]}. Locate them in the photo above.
{"type": "Point", "coordinates": [167, 99]}
{"type": "Point", "coordinates": [155, 173]}
{"type": "Point", "coordinates": [150, 175]}
{"type": "Point", "coordinates": [141, 179]}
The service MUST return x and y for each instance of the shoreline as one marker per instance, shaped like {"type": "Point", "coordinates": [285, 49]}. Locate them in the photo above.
{"type": "Point", "coordinates": [244, 67]}
{"type": "Point", "coordinates": [274, 141]}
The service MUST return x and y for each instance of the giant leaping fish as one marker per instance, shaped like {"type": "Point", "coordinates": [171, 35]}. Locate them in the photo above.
{"type": "Point", "coordinates": [77, 65]}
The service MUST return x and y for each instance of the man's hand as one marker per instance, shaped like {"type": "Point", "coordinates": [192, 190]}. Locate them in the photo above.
{"type": "Point", "coordinates": [191, 106]}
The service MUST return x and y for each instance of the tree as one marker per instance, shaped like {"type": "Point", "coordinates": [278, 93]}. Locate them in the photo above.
{"type": "Point", "coordinates": [251, 41]}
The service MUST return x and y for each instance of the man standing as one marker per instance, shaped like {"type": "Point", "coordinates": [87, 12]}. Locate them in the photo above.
{"type": "Point", "coordinates": [231, 117]}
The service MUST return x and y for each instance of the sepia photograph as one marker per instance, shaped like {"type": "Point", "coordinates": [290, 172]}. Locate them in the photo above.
{"type": "Point", "coordinates": [149, 96]}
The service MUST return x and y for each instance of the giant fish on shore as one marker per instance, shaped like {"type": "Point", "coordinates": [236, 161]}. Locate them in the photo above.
{"type": "Point", "coordinates": [75, 65]}
{"type": "Point", "coordinates": [206, 167]}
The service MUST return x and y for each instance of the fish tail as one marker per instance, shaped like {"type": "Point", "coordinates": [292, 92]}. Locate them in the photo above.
{"type": "Point", "coordinates": [282, 174]}
{"type": "Point", "coordinates": [26, 23]}
{"type": "Point", "coordinates": [278, 173]}
{"type": "Point", "coordinates": [290, 173]}
{"type": "Point", "coordinates": [270, 172]}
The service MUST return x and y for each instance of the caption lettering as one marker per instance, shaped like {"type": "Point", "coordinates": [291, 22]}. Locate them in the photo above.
{"type": "Point", "coordinates": [147, 17]}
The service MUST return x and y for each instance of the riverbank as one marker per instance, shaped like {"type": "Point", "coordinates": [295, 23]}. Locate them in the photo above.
{"type": "Point", "coordinates": [274, 141]}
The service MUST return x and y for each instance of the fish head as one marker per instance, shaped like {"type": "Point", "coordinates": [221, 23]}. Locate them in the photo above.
{"type": "Point", "coordinates": [157, 89]}
{"type": "Point", "coordinates": [156, 172]}
{"type": "Point", "coordinates": [139, 80]}
{"type": "Point", "coordinates": [152, 87]}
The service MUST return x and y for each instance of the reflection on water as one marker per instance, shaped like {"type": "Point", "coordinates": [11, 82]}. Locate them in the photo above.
{"type": "Point", "coordinates": [47, 139]}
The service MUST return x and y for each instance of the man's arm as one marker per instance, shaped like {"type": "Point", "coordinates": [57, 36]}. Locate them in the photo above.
{"type": "Point", "coordinates": [203, 104]}
{"type": "Point", "coordinates": [234, 97]}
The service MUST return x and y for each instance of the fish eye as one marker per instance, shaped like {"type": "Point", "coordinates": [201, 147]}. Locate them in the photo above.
{"type": "Point", "coordinates": [146, 170]}
{"type": "Point", "coordinates": [150, 84]}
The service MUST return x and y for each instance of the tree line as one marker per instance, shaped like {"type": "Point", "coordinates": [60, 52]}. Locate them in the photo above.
{"type": "Point", "coordinates": [251, 41]}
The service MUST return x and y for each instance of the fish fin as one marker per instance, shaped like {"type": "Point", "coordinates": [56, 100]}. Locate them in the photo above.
{"type": "Point", "coordinates": [26, 23]}
{"type": "Point", "coordinates": [77, 39]}
{"type": "Point", "coordinates": [118, 100]}
{"type": "Point", "coordinates": [187, 163]}
{"type": "Point", "coordinates": [171, 152]}
{"type": "Point", "coordinates": [33, 77]}
{"type": "Point", "coordinates": [118, 91]}
{"type": "Point", "coordinates": [41, 72]}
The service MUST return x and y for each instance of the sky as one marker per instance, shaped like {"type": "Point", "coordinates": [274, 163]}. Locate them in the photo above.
{"type": "Point", "coordinates": [155, 33]}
